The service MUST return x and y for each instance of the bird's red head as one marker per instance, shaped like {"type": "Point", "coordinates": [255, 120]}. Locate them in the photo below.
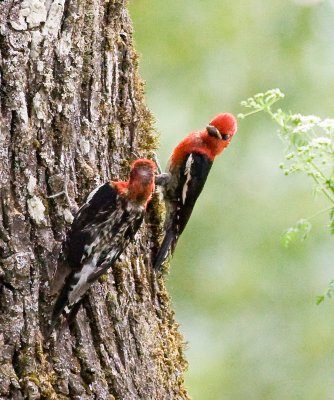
{"type": "Point", "coordinates": [219, 133]}
{"type": "Point", "coordinates": [225, 124]}
{"type": "Point", "coordinates": [211, 141]}
{"type": "Point", "coordinates": [141, 182]}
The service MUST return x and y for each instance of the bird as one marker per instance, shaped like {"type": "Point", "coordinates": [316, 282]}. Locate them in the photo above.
{"type": "Point", "coordinates": [101, 230]}
{"type": "Point", "coordinates": [186, 173]}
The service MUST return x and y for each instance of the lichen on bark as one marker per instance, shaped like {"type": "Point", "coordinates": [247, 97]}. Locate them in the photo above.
{"type": "Point", "coordinates": [73, 112]}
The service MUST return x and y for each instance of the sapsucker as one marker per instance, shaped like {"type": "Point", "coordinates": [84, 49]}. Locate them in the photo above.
{"type": "Point", "coordinates": [187, 171]}
{"type": "Point", "coordinates": [100, 232]}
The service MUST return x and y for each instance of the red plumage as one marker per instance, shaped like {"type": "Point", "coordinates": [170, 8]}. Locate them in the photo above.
{"type": "Point", "coordinates": [201, 142]}
{"type": "Point", "coordinates": [225, 123]}
{"type": "Point", "coordinates": [140, 186]}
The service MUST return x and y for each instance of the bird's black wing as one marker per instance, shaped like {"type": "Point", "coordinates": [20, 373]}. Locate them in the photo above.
{"type": "Point", "coordinates": [129, 227]}
{"type": "Point", "coordinates": [181, 200]}
{"type": "Point", "coordinates": [104, 263]}
{"type": "Point", "coordinates": [99, 206]}
{"type": "Point", "coordinates": [99, 233]}
{"type": "Point", "coordinates": [99, 202]}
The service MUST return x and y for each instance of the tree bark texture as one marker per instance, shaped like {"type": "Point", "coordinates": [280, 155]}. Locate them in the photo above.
{"type": "Point", "coordinates": [73, 114]}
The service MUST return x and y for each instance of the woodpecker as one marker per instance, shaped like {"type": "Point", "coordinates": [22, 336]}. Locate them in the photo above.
{"type": "Point", "coordinates": [100, 232]}
{"type": "Point", "coordinates": [187, 171]}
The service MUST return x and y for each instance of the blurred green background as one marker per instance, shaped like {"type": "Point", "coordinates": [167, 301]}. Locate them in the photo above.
{"type": "Point", "coordinates": [246, 305]}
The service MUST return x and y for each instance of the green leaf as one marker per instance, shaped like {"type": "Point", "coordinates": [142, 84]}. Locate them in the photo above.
{"type": "Point", "coordinates": [299, 231]}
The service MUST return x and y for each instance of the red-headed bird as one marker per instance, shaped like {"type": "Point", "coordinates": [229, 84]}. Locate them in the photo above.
{"type": "Point", "coordinates": [100, 232]}
{"type": "Point", "coordinates": [187, 170]}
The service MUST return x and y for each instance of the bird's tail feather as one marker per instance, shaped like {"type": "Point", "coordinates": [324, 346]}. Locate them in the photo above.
{"type": "Point", "coordinates": [69, 311]}
{"type": "Point", "coordinates": [59, 308]}
{"type": "Point", "coordinates": [72, 311]}
{"type": "Point", "coordinates": [167, 247]}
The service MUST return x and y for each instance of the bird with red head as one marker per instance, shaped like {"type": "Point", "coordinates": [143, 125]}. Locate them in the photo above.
{"type": "Point", "coordinates": [100, 232]}
{"type": "Point", "coordinates": [187, 171]}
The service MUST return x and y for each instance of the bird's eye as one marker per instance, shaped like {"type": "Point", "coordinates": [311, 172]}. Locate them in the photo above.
{"type": "Point", "coordinates": [225, 136]}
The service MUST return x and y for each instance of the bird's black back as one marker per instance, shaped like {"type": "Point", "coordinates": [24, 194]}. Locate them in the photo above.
{"type": "Point", "coordinates": [180, 200]}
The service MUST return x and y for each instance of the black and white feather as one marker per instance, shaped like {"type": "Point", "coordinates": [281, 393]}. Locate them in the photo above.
{"type": "Point", "coordinates": [180, 193]}
{"type": "Point", "coordinates": [100, 232]}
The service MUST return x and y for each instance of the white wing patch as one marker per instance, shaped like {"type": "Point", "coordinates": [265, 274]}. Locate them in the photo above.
{"type": "Point", "coordinates": [187, 173]}
{"type": "Point", "coordinates": [92, 193]}
{"type": "Point", "coordinates": [89, 198]}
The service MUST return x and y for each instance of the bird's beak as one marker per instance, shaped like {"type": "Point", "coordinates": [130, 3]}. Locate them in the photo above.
{"type": "Point", "coordinates": [213, 131]}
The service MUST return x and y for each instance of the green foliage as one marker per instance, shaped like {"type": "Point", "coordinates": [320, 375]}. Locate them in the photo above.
{"type": "Point", "coordinates": [299, 231]}
{"type": "Point", "coordinates": [309, 149]}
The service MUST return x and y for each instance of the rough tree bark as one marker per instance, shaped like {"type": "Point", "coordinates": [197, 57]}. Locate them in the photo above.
{"type": "Point", "coordinates": [72, 112]}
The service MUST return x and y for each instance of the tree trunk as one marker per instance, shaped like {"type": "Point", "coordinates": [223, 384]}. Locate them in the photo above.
{"type": "Point", "coordinates": [73, 114]}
